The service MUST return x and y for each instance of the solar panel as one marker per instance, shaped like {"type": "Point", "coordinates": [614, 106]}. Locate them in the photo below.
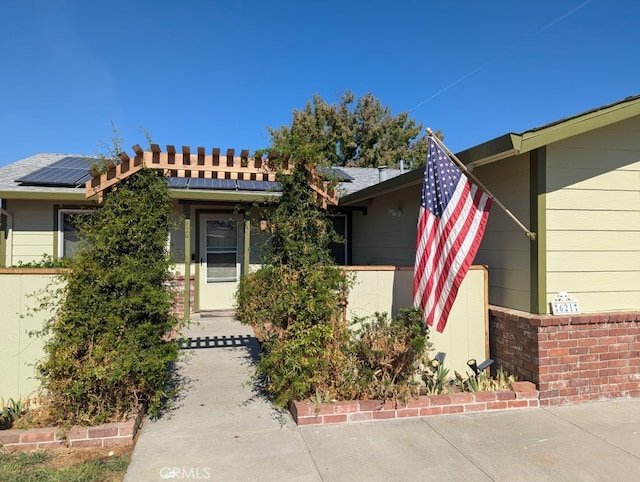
{"type": "Point", "coordinates": [214, 184]}
{"type": "Point", "coordinates": [259, 186]}
{"type": "Point", "coordinates": [66, 172]}
{"type": "Point", "coordinates": [178, 182]}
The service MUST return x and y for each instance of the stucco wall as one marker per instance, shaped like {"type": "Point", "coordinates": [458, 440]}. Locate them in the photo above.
{"type": "Point", "coordinates": [593, 218]}
{"type": "Point", "coordinates": [18, 350]}
{"type": "Point", "coordinates": [387, 289]}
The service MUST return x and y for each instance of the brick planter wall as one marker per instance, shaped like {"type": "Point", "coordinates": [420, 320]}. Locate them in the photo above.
{"type": "Point", "coordinates": [522, 395]}
{"type": "Point", "coordinates": [179, 289]}
{"type": "Point", "coordinates": [571, 359]}
{"type": "Point", "coordinates": [106, 435]}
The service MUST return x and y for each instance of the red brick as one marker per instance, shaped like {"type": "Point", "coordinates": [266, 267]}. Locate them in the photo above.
{"type": "Point", "coordinates": [369, 405]}
{"type": "Point", "coordinates": [418, 402]}
{"type": "Point", "coordinates": [607, 372]}
{"type": "Point", "coordinates": [430, 411]}
{"type": "Point", "coordinates": [570, 359]}
{"type": "Point", "coordinates": [598, 332]}
{"type": "Point", "coordinates": [485, 396]}
{"type": "Point", "coordinates": [580, 382]}
{"type": "Point", "coordinates": [559, 335]}
{"type": "Point", "coordinates": [619, 331]}
{"type": "Point", "coordinates": [383, 414]}
{"type": "Point", "coordinates": [518, 403]}
{"type": "Point", "coordinates": [618, 379]}
{"type": "Point", "coordinates": [90, 442]}
{"type": "Point", "coordinates": [359, 417]}
{"type": "Point", "coordinates": [497, 405]}
{"type": "Point", "coordinates": [558, 352]}
{"type": "Point", "coordinates": [309, 420]}
{"type": "Point", "coordinates": [609, 356]}
{"type": "Point", "coordinates": [574, 335]}
{"type": "Point", "coordinates": [460, 398]}
{"type": "Point", "coordinates": [107, 430]}
{"type": "Point", "coordinates": [547, 345]}
{"type": "Point", "coordinates": [408, 412]}
{"type": "Point", "coordinates": [390, 405]}
{"type": "Point", "coordinates": [505, 395]}
{"type": "Point", "coordinates": [619, 347]}
{"type": "Point", "coordinates": [346, 407]}
{"type": "Point", "coordinates": [10, 436]}
{"type": "Point", "coordinates": [475, 407]}
{"type": "Point", "coordinates": [127, 428]}
{"type": "Point", "coordinates": [440, 399]}
{"type": "Point", "coordinates": [626, 339]}
{"type": "Point", "coordinates": [583, 350]}
{"type": "Point", "coordinates": [322, 408]}
{"type": "Point", "coordinates": [449, 409]}
{"type": "Point", "coordinates": [619, 363]}
{"type": "Point", "coordinates": [78, 433]}
{"type": "Point", "coordinates": [300, 409]}
{"type": "Point", "coordinates": [567, 343]}
{"type": "Point", "coordinates": [336, 418]}
{"type": "Point", "coordinates": [38, 435]}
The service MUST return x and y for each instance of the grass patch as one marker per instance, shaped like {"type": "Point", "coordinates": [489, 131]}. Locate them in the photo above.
{"type": "Point", "coordinates": [68, 465]}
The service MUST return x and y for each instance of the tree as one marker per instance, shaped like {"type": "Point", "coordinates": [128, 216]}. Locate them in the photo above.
{"type": "Point", "coordinates": [352, 133]}
{"type": "Point", "coordinates": [104, 349]}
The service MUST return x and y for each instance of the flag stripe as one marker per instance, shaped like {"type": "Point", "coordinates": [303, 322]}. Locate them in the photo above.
{"type": "Point", "coordinates": [452, 219]}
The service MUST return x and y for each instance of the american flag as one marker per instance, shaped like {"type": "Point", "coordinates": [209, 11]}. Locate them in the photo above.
{"type": "Point", "coordinates": [453, 215]}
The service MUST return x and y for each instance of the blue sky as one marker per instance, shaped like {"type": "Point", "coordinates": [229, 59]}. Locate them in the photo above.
{"type": "Point", "coordinates": [218, 73]}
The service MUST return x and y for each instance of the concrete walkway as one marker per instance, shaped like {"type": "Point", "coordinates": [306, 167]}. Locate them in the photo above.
{"type": "Point", "coordinates": [222, 430]}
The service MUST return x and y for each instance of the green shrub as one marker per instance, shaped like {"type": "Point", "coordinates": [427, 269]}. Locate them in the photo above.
{"type": "Point", "coordinates": [104, 348]}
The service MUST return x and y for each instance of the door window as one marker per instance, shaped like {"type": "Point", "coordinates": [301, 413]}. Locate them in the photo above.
{"type": "Point", "coordinates": [221, 250]}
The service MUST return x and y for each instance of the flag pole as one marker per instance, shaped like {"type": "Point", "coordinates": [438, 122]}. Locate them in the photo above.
{"type": "Point", "coordinates": [530, 234]}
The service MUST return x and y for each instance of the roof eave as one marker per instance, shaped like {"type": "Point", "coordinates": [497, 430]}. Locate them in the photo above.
{"type": "Point", "coordinates": [223, 196]}
{"type": "Point", "coordinates": [43, 195]}
{"type": "Point", "coordinates": [513, 144]}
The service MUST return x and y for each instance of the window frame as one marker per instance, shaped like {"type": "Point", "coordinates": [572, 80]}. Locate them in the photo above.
{"type": "Point", "coordinates": [60, 231]}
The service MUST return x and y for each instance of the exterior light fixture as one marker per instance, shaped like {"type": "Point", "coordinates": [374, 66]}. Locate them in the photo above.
{"type": "Point", "coordinates": [395, 212]}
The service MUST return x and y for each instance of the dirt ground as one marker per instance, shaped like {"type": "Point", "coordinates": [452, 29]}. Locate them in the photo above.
{"type": "Point", "coordinates": [66, 457]}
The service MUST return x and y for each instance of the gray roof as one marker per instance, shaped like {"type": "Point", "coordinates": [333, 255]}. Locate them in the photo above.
{"type": "Point", "coordinates": [361, 177]}
{"type": "Point", "coordinates": [11, 172]}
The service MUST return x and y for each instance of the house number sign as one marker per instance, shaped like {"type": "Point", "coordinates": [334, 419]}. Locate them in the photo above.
{"type": "Point", "coordinates": [564, 303]}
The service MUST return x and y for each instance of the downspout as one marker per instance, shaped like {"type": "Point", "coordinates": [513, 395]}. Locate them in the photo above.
{"type": "Point", "coordinates": [9, 251]}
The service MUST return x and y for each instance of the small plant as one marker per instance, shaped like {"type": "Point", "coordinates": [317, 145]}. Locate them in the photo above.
{"type": "Point", "coordinates": [47, 261]}
{"type": "Point", "coordinates": [436, 378]}
{"type": "Point", "coordinates": [11, 410]}
{"type": "Point", "coordinates": [482, 383]}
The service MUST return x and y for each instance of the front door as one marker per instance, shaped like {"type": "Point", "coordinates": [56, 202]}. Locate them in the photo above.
{"type": "Point", "coordinates": [220, 260]}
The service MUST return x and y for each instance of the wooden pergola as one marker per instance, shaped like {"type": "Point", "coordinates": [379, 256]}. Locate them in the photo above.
{"type": "Point", "coordinates": [200, 165]}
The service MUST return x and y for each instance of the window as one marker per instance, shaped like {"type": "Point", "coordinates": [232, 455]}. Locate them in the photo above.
{"type": "Point", "coordinates": [221, 240]}
{"type": "Point", "coordinates": [68, 238]}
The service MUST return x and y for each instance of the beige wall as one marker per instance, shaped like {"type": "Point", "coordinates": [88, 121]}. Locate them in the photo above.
{"type": "Point", "coordinates": [505, 248]}
{"type": "Point", "coordinates": [32, 230]}
{"type": "Point", "coordinates": [387, 289]}
{"type": "Point", "coordinates": [19, 351]}
{"type": "Point", "coordinates": [380, 238]}
{"type": "Point", "coordinates": [593, 218]}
